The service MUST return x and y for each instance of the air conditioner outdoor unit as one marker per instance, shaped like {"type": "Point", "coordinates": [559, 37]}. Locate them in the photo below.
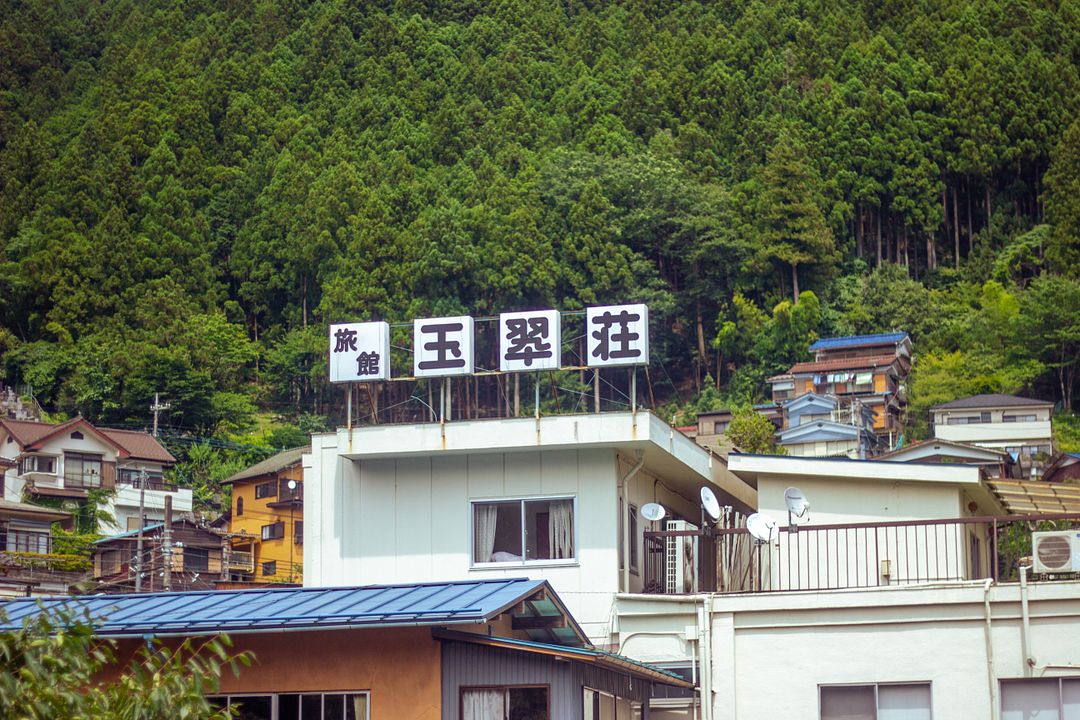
{"type": "Point", "coordinates": [680, 560]}
{"type": "Point", "coordinates": [1056, 552]}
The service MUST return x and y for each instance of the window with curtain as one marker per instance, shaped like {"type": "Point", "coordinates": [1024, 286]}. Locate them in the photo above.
{"type": "Point", "coordinates": [523, 530]}
{"type": "Point", "coordinates": [505, 703]}
{"type": "Point", "coordinates": [894, 701]}
{"type": "Point", "coordinates": [1041, 699]}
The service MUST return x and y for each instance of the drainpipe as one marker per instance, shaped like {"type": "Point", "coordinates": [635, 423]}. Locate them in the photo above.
{"type": "Point", "coordinates": [705, 677]}
{"type": "Point", "coordinates": [623, 489]}
{"type": "Point", "coordinates": [990, 674]}
{"type": "Point", "coordinates": [1029, 661]}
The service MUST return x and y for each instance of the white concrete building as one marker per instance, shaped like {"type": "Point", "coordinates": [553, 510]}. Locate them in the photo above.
{"type": "Point", "coordinates": [67, 460]}
{"type": "Point", "coordinates": [1017, 425]}
{"type": "Point", "coordinates": [554, 498]}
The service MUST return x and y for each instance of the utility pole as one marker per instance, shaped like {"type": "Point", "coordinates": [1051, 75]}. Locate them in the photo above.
{"type": "Point", "coordinates": [157, 407]}
{"type": "Point", "coordinates": [166, 545]}
{"type": "Point", "coordinates": [292, 526]}
{"type": "Point", "coordinates": [142, 522]}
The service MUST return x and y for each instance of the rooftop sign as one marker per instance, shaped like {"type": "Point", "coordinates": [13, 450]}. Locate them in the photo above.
{"type": "Point", "coordinates": [616, 335]}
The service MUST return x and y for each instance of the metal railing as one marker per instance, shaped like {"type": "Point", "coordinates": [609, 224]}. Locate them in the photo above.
{"type": "Point", "coordinates": [843, 556]}
{"type": "Point", "coordinates": [241, 561]}
{"type": "Point", "coordinates": [150, 483]}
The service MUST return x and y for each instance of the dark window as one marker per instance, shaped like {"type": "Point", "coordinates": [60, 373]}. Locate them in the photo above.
{"type": "Point", "coordinates": [633, 539]}
{"type": "Point", "coordinates": [273, 531]}
{"type": "Point", "coordinates": [76, 435]}
{"type": "Point", "coordinates": [269, 568]}
{"type": "Point", "coordinates": [264, 490]}
{"type": "Point", "coordinates": [82, 470]}
{"type": "Point", "coordinates": [909, 700]}
{"type": "Point", "coordinates": [298, 532]}
{"type": "Point", "coordinates": [293, 706]}
{"type": "Point", "coordinates": [196, 559]}
{"type": "Point", "coordinates": [519, 703]}
{"type": "Point", "coordinates": [239, 506]}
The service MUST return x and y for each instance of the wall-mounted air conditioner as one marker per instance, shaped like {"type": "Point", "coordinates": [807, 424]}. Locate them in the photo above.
{"type": "Point", "coordinates": [680, 560]}
{"type": "Point", "coordinates": [1057, 551]}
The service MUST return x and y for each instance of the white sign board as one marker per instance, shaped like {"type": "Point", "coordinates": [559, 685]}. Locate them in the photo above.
{"type": "Point", "coordinates": [443, 346]}
{"type": "Point", "coordinates": [617, 335]}
{"type": "Point", "coordinates": [359, 352]}
{"type": "Point", "coordinates": [529, 341]}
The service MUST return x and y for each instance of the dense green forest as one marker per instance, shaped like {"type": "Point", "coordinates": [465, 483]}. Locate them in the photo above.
{"type": "Point", "coordinates": [190, 192]}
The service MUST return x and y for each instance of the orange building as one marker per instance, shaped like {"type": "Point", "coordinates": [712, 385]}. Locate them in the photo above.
{"type": "Point", "coordinates": [467, 650]}
{"type": "Point", "coordinates": [267, 520]}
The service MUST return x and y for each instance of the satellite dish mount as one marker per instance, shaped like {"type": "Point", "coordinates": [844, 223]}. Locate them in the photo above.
{"type": "Point", "coordinates": [797, 507]}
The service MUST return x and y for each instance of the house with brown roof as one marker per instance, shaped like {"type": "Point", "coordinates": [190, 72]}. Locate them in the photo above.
{"type": "Point", "coordinates": [69, 462]}
{"type": "Point", "coordinates": [871, 368]}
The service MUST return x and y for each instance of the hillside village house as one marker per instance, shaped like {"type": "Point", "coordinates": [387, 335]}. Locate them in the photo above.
{"type": "Point", "coordinates": [1017, 425]}
{"type": "Point", "coordinates": [28, 565]}
{"type": "Point", "coordinates": [993, 462]}
{"type": "Point", "coordinates": [488, 649]}
{"type": "Point", "coordinates": [872, 368]}
{"type": "Point", "coordinates": [64, 461]}
{"type": "Point", "coordinates": [821, 426]}
{"type": "Point", "coordinates": [195, 559]}
{"type": "Point", "coordinates": [266, 522]}
{"type": "Point", "coordinates": [894, 558]}
{"type": "Point", "coordinates": [556, 498]}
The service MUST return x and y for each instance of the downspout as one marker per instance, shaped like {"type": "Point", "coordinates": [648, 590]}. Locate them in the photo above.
{"type": "Point", "coordinates": [705, 676]}
{"type": "Point", "coordinates": [990, 674]}
{"type": "Point", "coordinates": [1029, 661]}
{"type": "Point", "coordinates": [623, 490]}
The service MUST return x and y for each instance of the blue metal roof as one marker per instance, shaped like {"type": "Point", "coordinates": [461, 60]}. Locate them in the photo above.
{"type": "Point", "coordinates": [211, 611]}
{"type": "Point", "coordinates": [858, 341]}
{"type": "Point", "coordinates": [130, 533]}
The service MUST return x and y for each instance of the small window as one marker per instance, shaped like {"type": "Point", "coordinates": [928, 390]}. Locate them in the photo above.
{"type": "Point", "coordinates": [239, 506]}
{"type": "Point", "coordinates": [634, 540]}
{"type": "Point", "coordinates": [502, 702]}
{"type": "Point", "coordinates": [269, 568]}
{"type": "Point", "coordinates": [265, 490]}
{"type": "Point", "coordinates": [523, 530]}
{"type": "Point", "coordinates": [274, 531]}
{"type": "Point", "coordinates": [196, 559]}
{"type": "Point", "coordinates": [910, 701]}
{"type": "Point", "coordinates": [1050, 698]}
{"type": "Point", "coordinates": [293, 706]}
{"type": "Point", "coordinates": [76, 435]}
{"type": "Point", "coordinates": [298, 532]}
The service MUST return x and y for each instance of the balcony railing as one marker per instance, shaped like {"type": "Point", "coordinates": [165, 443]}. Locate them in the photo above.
{"type": "Point", "coordinates": [843, 556]}
{"type": "Point", "coordinates": [150, 483]}
{"type": "Point", "coordinates": [241, 561]}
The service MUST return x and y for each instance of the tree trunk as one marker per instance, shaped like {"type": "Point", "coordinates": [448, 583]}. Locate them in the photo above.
{"type": "Point", "coordinates": [879, 238]}
{"type": "Point", "coordinates": [303, 292]}
{"type": "Point", "coordinates": [971, 231]}
{"type": "Point", "coordinates": [701, 340]}
{"type": "Point", "coordinates": [956, 230]}
{"type": "Point", "coordinates": [858, 230]}
{"type": "Point", "coordinates": [795, 281]}
{"type": "Point", "coordinates": [987, 209]}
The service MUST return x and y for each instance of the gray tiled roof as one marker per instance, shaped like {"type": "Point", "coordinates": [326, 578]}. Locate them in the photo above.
{"type": "Point", "coordinates": [988, 401]}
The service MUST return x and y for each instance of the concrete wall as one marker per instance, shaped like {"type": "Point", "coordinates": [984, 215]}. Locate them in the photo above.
{"type": "Point", "coordinates": [409, 520]}
{"type": "Point", "coordinates": [768, 654]}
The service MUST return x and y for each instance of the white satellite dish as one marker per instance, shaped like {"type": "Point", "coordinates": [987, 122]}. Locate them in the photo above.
{"type": "Point", "coordinates": [710, 503]}
{"type": "Point", "coordinates": [797, 504]}
{"type": "Point", "coordinates": [762, 527]}
{"type": "Point", "coordinates": [653, 511]}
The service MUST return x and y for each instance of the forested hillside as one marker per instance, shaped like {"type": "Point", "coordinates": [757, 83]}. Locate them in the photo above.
{"type": "Point", "coordinates": [190, 192]}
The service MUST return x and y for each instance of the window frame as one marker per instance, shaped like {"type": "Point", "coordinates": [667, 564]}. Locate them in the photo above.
{"type": "Point", "coordinates": [204, 557]}
{"type": "Point", "coordinates": [271, 536]}
{"type": "Point", "coordinates": [462, 689]}
{"type": "Point", "coordinates": [1002, 682]}
{"type": "Point", "coordinates": [265, 490]}
{"type": "Point", "coordinates": [521, 500]}
{"type": "Point", "coordinates": [272, 564]}
{"type": "Point", "coordinates": [81, 480]}
{"type": "Point", "coordinates": [275, 709]}
{"type": "Point", "coordinates": [876, 686]}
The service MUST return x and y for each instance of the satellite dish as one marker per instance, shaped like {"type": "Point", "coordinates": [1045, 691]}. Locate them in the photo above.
{"type": "Point", "coordinates": [762, 527]}
{"type": "Point", "coordinates": [653, 511]}
{"type": "Point", "coordinates": [797, 504]}
{"type": "Point", "coordinates": [710, 503]}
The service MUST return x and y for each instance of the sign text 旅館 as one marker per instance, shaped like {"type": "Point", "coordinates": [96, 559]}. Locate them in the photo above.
{"type": "Point", "coordinates": [529, 341]}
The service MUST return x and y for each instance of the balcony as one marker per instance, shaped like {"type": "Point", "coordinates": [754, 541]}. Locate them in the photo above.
{"type": "Point", "coordinates": [93, 478]}
{"type": "Point", "coordinates": [241, 561]}
{"type": "Point", "coordinates": [287, 496]}
{"type": "Point", "coordinates": [844, 556]}
{"type": "Point", "coordinates": [151, 482]}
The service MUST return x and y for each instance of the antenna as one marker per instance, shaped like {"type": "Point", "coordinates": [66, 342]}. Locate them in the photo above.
{"type": "Point", "coordinates": [797, 506]}
{"type": "Point", "coordinates": [763, 528]}
{"type": "Point", "coordinates": [653, 512]}
{"type": "Point", "coordinates": [709, 504]}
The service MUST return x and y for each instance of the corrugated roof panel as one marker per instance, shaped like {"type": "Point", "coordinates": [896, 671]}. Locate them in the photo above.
{"type": "Point", "coordinates": [224, 610]}
{"type": "Point", "coordinates": [858, 340]}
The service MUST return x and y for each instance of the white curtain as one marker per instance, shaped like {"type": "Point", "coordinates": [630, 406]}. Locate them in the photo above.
{"type": "Point", "coordinates": [561, 529]}
{"type": "Point", "coordinates": [486, 517]}
{"type": "Point", "coordinates": [483, 705]}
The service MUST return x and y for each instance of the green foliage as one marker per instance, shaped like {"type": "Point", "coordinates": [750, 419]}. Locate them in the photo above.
{"type": "Point", "coordinates": [49, 670]}
{"type": "Point", "coordinates": [752, 432]}
{"type": "Point", "coordinates": [1067, 432]}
